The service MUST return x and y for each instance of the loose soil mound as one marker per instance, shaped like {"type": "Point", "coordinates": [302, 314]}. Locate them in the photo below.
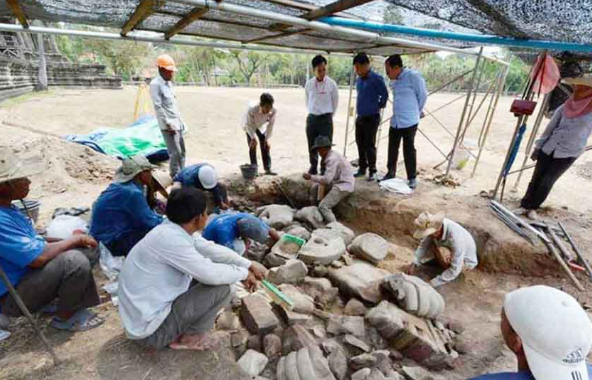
{"type": "Point", "coordinates": [67, 164]}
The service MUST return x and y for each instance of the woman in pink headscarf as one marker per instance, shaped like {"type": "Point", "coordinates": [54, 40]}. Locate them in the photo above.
{"type": "Point", "coordinates": [563, 141]}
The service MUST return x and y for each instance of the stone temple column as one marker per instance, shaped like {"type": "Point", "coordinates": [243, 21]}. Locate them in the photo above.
{"type": "Point", "coordinates": [42, 78]}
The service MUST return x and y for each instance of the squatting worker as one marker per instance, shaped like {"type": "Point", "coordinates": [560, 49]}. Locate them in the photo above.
{"type": "Point", "coordinates": [121, 216]}
{"type": "Point", "coordinates": [372, 97]}
{"type": "Point", "coordinates": [236, 230]}
{"type": "Point", "coordinates": [173, 285]}
{"type": "Point", "coordinates": [563, 141]}
{"type": "Point", "coordinates": [322, 99]}
{"type": "Point", "coordinates": [43, 270]}
{"type": "Point", "coordinates": [336, 184]}
{"type": "Point", "coordinates": [549, 333]}
{"type": "Point", "coordinates": [447, 243]}
{"type": "Point", "coordinates": [167, 112]}
{"type": "Point", "coordinates": [258, 124]}
{"type": "Point", "coordinates": [409, 97]}
{"type": "Point", "coordinates": [204, 177]}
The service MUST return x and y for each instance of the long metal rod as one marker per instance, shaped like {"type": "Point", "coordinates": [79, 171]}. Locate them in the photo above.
{"type": "Point", "coordinates": [27, 314]}
{"type": "Point", "coordinates": [519, 220]}
{"type": "Point", "coordinates": [533, 134]}
{"type": "Point", "coordinates": [464, 112]}
{"type": "Point", "coordinates": [588, 148]}
{"type": "Point", "coordinates": [369, 37]}
{"type": "Point", "coordinates": [559, 244]}
{"type": "Point", "coordinates": [431, 142]}
{"type": "Point", "coordinates": [352, 78]}
{"type": "Point", "coordinates": [575, 248]}
{"type": "Point", "coordinates": [563, 265]}
{"type": "Point", "coordinates": [135, 37]}
{"type": "Point", "coordinates": [498, 95]}
{"type": "Point", "coordinates": [477, 38]}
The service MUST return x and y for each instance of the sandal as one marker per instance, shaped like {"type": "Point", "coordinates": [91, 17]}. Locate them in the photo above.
{"type": "Point", "coordinates": [82, 320]}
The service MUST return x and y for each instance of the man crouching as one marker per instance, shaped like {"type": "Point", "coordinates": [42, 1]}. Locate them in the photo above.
{"type": "Point", "coordinates": [171, 286]}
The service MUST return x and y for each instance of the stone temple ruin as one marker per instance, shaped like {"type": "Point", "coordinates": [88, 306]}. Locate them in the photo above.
{"type": "Point", "coordinates": [349, 320]}
{"type": "Point", "coordinates": [19, 67]}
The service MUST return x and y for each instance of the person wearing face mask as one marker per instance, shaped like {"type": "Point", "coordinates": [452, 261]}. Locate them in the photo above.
{"type": "Point", "coordinates": [322, 99]}
{"type": "Point", "coordinates": [563, 141]}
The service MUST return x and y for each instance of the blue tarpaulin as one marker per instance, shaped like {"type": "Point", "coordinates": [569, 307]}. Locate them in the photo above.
{"type": "Point", "coordinates": [141, 137]}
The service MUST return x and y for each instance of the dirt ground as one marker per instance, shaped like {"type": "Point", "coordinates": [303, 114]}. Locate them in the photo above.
{"type": "Point", "coordinates": [77, 175]}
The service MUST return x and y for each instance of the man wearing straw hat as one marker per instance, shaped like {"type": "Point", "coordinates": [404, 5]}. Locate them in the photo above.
{"type": "Point", "coordinates": [447, 243]}
{"type": "Point", "coordinates": [121, 216]}
{"type": "Point", "coordinates": [40, 270]}
{"type": "Point", "coordinates": [563, 141]}
{"type": "Point", "coordinates": [167, 112]}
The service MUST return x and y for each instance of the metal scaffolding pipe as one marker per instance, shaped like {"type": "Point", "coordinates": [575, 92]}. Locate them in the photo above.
{"type": "Point", "coordinates": [370, 37]}
{"type": "Point", "coordinates": [477, 38]}
{"type": "Point", "coordinates": [134, 37]}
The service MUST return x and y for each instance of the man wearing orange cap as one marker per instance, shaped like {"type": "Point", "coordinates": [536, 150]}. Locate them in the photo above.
{"type": "Point", "coordinates": [167, 112]}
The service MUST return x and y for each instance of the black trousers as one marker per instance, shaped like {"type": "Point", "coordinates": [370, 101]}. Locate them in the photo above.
{"type": "Point", "coordinates": [366, 129]}
{"type": "Point", "coordinates": [547, 171]}
{"type": "Point", "coordinates": [409, 152]}
{"type": "Point", "coordinates": [317, 125]}
{"type": "Point", "coordinates": [265, 156]}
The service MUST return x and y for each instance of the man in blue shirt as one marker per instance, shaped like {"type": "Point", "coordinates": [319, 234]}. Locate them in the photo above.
{"type": "Point", "coordinates": [372, 97]}
{"type": "Point", "coordinates": [121, 216]}
{"type": "Point", "coordinates": [235, 231]}
{"type": "Point", "coordinates": [409, 97]}
{"type": "Point", "coordinates": [550, 334]}
{"type": "Point", "coordinates": [41, 270]}
{"type": "Point", "coordinates": [203, 177]}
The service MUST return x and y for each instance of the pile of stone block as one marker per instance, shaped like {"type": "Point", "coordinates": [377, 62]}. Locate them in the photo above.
{"type": "Point", "coordinates": [350, 319]}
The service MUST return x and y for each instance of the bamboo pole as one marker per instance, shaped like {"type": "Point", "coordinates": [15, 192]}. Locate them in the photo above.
{"type": "Point", "coordinates": [351, 89]}
{"type": "Point", "coordinates": [27, 314]}
{"type": "Point", "coordinates": [464, 112]}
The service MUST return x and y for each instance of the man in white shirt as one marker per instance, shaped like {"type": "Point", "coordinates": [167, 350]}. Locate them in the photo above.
{"type": "Point", "coordinates": [322, 99]}
{"type": "Point", "coordinates": [173, 285]}
{"type": "Point", "coordinates": [258, 124]}
{"type": "Point", "coordinates": [448, 243]}
{"type": "Point", "coordinates": [167, 112]}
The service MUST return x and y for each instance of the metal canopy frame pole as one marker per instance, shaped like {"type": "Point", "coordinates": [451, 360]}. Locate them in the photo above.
{"type": "Point", "coordinates": [533, 134]}
{"type": "Point", "coordinates": [487, 123]}
{"type": "Point", "coordinates": [352, 78]}
{"type": "Point", "coordinates": [464, 112]}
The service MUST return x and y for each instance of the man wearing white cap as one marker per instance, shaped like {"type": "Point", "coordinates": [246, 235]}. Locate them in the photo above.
{"type": "Point", "coordinates": [43, 270]}
{"type": "Point", "coordinates": [203, 177]}
{"type": "Point", "coordinates": [446, 242]}
{"type": "Point", "coordinates": [121, 216]}
{"type": "Point", "coordinates": [167, 112]}
{"type": "Point", "coordinates": [549, 333]}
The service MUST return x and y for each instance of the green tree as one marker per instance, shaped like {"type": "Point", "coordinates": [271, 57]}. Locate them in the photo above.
{"type": "Point", "coordinates": [248, 62]}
